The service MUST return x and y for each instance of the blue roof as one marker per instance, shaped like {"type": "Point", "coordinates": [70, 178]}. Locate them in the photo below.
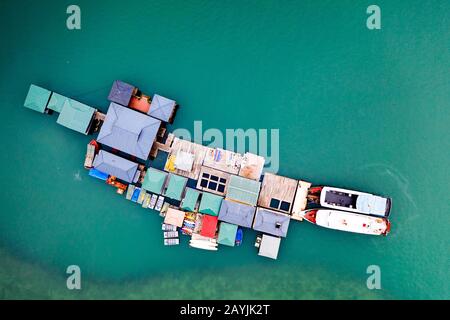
{"type": "Point", "coordinates": [271, 222]}
{"type": "Point", "coordinates": [116, 166]}
{"type": "Point", "coordinates": [128, 131]}
{"type": "Point", "coordinates": [121, 92]}
{"type": "Point", "coordinates": [237, 213]}
{"type": "Point", "coordinates": [37, 98]}
{"type": "Point", "coordinates": [161, 108]}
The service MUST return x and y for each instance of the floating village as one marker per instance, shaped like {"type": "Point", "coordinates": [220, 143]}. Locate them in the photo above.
{"type": "Point", "coordinates": [208, 194]}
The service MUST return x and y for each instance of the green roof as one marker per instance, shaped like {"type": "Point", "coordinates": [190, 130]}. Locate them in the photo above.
{"type": "Point", "coordinates": [175, 186]}
{"type": "Point", "coordinates": [190, 199]}
{"type": "Point", "coordinates": [154, 180]}
{"type": "Point", "coordinates": [243, 190]}
{"type": "Point", "coordinates": [227, 234]}
{"type": "Point", "coordinates": [37, 98]}
{"type": "Point", "coordinates": [210, 204]}
{"type": "Point", "coordinates": [56, 102]}
{"type": "Point", "coordinates": [76, 116]}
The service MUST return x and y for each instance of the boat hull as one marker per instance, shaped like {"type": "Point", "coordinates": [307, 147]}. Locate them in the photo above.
{"type": "Point", "coordinates": [348, 221]}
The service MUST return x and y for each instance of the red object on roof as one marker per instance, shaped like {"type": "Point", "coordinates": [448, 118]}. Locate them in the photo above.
{"type": "Point", "coordinates": [141, 104]}
{"type": "Point", "coordinates": [209, 226]}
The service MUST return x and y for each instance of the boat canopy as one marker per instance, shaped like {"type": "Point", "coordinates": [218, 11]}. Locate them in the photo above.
{"type": "Point", "coordinates": [175, 186]}
{"type": "Point", "coordinates": [371, 204]}
{"type": "Point", "coordinates": [76, 116]}
{"type": "Point", "coordinates": [237, 213]}
{"type": "Point", "coordinates": [116, 166]}
{"type": "Point", "coordinates": [162, 108]}
{"type": "Point", "coordinates": [154, 180]}
{"type": "Point", "coordinates": [174, 217]}
{"type": "Point", "coordinates": [129, 131]}
{"type": "Point", "coordinates": [210, 204]}
{"type": "Point", "coordinates": [37, 98]}
{"type": "Point", "coordinates": [121, 93]}
{"type": "Point", "coordinates": [243, 190]}
{"type": "Point", "coordinates": [227, 234]}
{"type": "Point", "coordinates": [269, 246]}
{"type": "Point", "coordinates": [209, 226]}
{"type": "Point", "coordinates": [271, 222]}
{"type": "Point", "coordinates": [56, 102]}
{"type": "Point", "coordinates": [190, 199]}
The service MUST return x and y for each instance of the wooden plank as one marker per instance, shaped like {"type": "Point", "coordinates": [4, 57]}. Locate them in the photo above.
{"type": "Point", "coordinates": [277, 187]}
{"type": "Point", "coordinates": [300, 201]}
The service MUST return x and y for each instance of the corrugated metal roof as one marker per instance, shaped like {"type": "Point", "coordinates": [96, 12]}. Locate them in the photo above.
{"type": "Point", "coordinates": [175, 186]}
{"type": "Point", "coordinates": [209, 226]}
{"type": "Point", "coordinates": [269, 246]}
{"type": "Point", "coordinates": [161, 107]}
{"type": "Point", "coordinates": [271, 222]}
{"type": "Point", "coordinates": [115, 166]}
{"type": "Point", "coordinates": [129, 131]}
{"type": "Point", "coordinates": [56, 102]}
{"type": "Point", "coordinates": [121, 92]}
{"type": "Point", "coordinates": [237, 213]}
{"type": "Point", "coordinates": [154, 180]}
{"type": "Point", "coordinates": [190, 199]}
{"type": "Point", "coordinates": [76, 116]}
{"type": "Point", "coordinates": [37, 98]}
{"type": "Point", "coordinates": [227, 234]}
{"type": "Point", "coordinates": [243, 190]}
{"type": "Point", "coordinates": [210, 204]}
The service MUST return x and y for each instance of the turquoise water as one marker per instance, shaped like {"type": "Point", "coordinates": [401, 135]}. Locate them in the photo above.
{"type": "Point", "coordinates": [366, 110]}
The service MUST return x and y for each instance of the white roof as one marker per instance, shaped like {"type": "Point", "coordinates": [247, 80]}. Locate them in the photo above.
{"type": "Point", "coordinates": [184, 161]}
{"type": "Point", "coordinates": [372, 204]}
{"type": "Point", "coordinates": [269, 246]}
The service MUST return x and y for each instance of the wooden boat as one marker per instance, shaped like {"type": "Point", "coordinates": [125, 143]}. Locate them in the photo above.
{"type": "Point", "coordinates": [347, 221]}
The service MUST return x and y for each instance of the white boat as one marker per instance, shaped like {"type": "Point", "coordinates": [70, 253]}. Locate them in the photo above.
{"type": "Point", "coordinates": [202, 244]}
{"type": "Point", "coordinates": [347, 221]}
{"type": "Point", "coordinates": [153, 201]}
{"type": "Point", "coordinates": [159, 203]}
{"type": "Point", "coordinates": [352, 201]}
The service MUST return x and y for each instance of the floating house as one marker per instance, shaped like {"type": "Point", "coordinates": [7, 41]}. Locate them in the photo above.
{"type": "Point", "coordinates": [76, 116]}
{"type": "Point", "coordinates": [175, 186]}
{"type": "Point", "coordinates": [252, 166]}
{"type": "Point", "coordinates": [300, 200]}
{"type": "Point", "coordinates": [121, 93]}
{"type": "Point", "coordinates": [210, 204]}
{"type": "Point", "coordinates": [37, 98]}
{"type": "Point", "coordinates": [128, 131]}
{"type": "Point", "coordinates": [190, 200]}
{"type": "Point", "coordinates": [154, 180]}
{"type": "Point", "coordinates": [269, 246]}
{"type": "Point", "coordinates": [224, 160]}
{"type": "Point", "coordinates": [271, 222]}
{"type": "Point", "coordinates": [209, 226]}
{"type": "Point", "coordinates": [243, 190]}
{"type": "Point", "coordinates": [162, 108]}
{"type": "Point", "coordinates": [174, 217]}
{"type": "Point", "coordinates": [277, 192]}
{"type": "Point", "coordinates": [116, 166]}
{"type": "Point", "coordinates": [56, 102]}
{"type": "Point", "coordinates": [237, 213]}
{"type": "Point", "coordinates": [227, 234]}
{"type": "Point", "coordinates": [185, 158]}
{"type": "Point", "coordinates": [213, 180]}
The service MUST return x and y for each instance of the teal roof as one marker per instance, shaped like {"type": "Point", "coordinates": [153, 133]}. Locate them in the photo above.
{"type": "Point", "coordinates": [227, 234]}
{"type": "Point", "coordinates": [210, 204]}
{"type": "Point", "coordinates": [154, 180]}
{"type": "Point", "coordinates": [190, 199]}
{"type": "Point", "coordinates": [175, 186]}
{"type": "Point", "coordinates": [56, 102]}
{"type": "Point", "coordinates": [76, 116]}
{"type": "Point", "coordinates": [243, 190]}
{"type": "Point", "coordinates": [37, 98]}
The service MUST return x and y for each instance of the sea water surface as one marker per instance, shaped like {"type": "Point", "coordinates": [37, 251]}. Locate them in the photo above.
{"type": "Point", "coordinates": [356, 108]}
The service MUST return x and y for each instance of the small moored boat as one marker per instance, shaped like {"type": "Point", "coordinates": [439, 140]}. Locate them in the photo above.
{"type": "Point", "coordinates": [347, 221]}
